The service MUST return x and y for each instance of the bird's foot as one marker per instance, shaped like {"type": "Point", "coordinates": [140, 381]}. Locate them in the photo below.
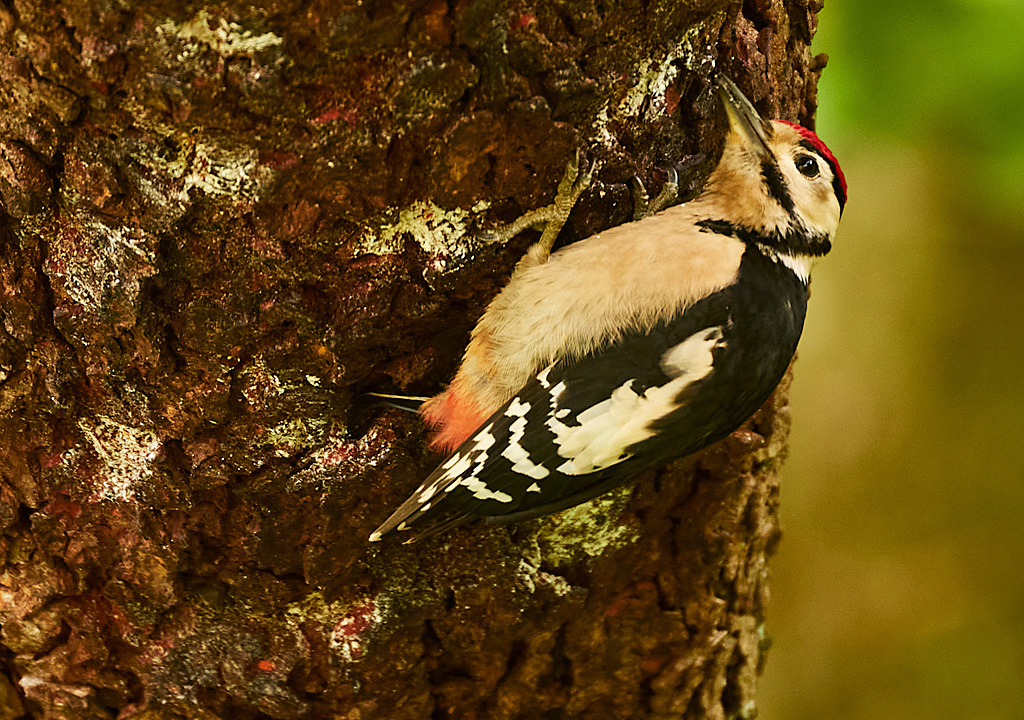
{"type": "Point", "coordinates": [578, 177]}
{"type": "Point", "coordinates": [642, 204]}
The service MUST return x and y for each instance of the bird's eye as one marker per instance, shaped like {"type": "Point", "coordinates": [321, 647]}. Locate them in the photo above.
{"type": "Point", "coordinates": [807, 166]}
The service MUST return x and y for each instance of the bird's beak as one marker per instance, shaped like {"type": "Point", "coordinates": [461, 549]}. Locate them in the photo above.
{"type": "Point", "coordinates": [743, 118]}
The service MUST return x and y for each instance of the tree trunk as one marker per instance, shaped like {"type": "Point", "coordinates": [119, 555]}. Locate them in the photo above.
{"type": "Point", "coordinates": [222, 226]}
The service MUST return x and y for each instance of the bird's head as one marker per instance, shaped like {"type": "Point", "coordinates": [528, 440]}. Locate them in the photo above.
{"type": "Point", "coordinates": [777, 180]}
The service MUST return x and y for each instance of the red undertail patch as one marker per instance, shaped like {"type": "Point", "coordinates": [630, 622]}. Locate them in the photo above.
{"type": "Point", "coordinates": [453, 418]}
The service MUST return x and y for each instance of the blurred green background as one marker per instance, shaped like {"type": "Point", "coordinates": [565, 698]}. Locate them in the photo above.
{"type": "Point", "coordinates": [898, 589]}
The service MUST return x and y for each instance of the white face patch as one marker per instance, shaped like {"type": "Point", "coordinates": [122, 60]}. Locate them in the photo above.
{"type": "Point", "coordinates": [813, 197]}
{"type": "Point", "coordinates": [815, 201]}
{"type": "Point", "coordinates": [607, 429]}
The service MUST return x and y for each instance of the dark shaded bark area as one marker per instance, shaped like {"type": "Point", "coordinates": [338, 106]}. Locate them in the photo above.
{"type": "Point", "coordinates": [220, 227]}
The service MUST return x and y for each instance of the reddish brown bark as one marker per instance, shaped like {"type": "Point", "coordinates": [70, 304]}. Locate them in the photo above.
{"type": "Point", "coordinates": [222, 225]}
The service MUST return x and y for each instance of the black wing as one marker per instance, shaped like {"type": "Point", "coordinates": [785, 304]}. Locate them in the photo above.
{"type": "Point", "coordinates": [580, 428]}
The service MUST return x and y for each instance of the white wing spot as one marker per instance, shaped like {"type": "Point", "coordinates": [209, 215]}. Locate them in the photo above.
{"type": "Point", "coordinates": [533, 488]}
{"type": "Point", "coordinates": [556, 392]}
{"type": "Point", "coordinates": [482, 492]}
{"type": "Point", "coordinates": [459, 464]}
{"type": "Point", "coordinates": [483, 440]}
{"type": "Point", "coordinates": [607, 429]}
{"type": "Point", "coordinates": [513, 450]}
{"type": "Point", "coordinates": [458, 468]}
{"type": "Point", "coordinates": [517, 408]}
{"type": "Point", "coordinates": [692, 358]}
{"type": "Point", "coordinates": [428, 492]}
{"type": "Point", "coordinates": [542, 376]}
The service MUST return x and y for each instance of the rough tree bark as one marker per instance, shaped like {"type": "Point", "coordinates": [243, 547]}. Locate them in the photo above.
{"type": "Point", "coordinates": [221, 225]}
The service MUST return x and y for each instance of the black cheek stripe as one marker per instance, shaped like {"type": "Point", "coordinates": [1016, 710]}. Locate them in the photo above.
{"type": "Point", "coordinates": [777, 185]}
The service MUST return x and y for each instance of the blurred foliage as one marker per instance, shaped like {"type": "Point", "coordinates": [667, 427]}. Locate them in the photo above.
{"type": "Point", "coordinates": [946, 75]}
{"type": "Point", "coordinates": [898, 590]}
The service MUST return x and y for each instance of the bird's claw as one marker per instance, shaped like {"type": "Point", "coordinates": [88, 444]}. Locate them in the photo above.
{"type": "Point", "coordinates": [642, 203]}
{"type": "Point", "coordinates": [577, 178]}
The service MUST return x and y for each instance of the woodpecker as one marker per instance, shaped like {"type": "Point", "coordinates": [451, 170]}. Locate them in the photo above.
{"type": "Point", "coordinates": [638, 345]}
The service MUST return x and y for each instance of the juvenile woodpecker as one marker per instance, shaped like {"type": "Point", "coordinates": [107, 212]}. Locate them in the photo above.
{"type": "Point", "coordinates": [638, 345]}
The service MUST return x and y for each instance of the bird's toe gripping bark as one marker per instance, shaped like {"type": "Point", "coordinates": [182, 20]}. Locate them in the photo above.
{"type": "Point", "coordinates": [642, 204]}
{"type": "Point", "coordinates": [578, 177]}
